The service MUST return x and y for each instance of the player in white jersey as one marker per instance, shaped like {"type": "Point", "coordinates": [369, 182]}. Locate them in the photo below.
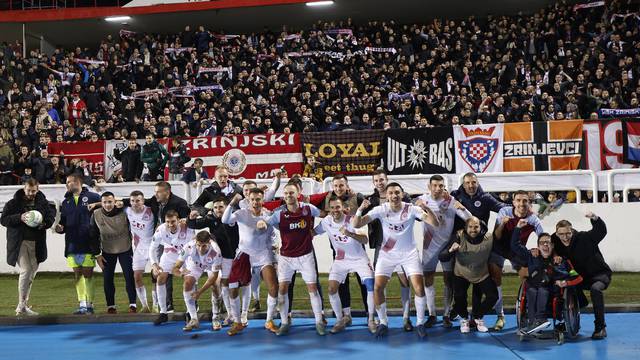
{"type": "Point", "coordinates": [436, 239]}
{"type": "Point", "coordinates": [198, 256]}
{"type": "Point", "coordinates": [350, 257]}
{"type": "Point", "coordinates": [141, 223]}
{"type": "Point", "coordinates": [269, 194]}
{"type": "Point", "coordinates": [254, 250]}
{"type": "Point", "coordinates": [173, 235]}
{"type": "Point", "coordinates": [398, 248]}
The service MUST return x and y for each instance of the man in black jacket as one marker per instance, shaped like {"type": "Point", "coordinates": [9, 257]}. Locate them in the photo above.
{"type": "Point", "coordinates": [26, 246]}
{"type": "Point", "coordinates": [581, 248]}
{"type": "Point", "coordinates": [222, 186]}
{"type": "Point", "coordinates": [131, 161]}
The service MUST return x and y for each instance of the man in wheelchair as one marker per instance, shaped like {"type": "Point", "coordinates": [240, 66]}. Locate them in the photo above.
{"type": "Point", "coordinates": [547, 275]}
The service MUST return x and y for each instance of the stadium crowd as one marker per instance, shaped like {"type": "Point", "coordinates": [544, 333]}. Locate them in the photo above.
{"type": "Point", "coordinates": [558, 63]}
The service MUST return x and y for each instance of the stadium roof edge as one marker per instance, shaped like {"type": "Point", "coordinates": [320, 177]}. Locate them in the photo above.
{"type": "Point", "coordinates": [28, 16]}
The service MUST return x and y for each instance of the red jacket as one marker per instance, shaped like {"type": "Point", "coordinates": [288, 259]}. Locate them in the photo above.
{"type": "Point", "coordinates": [75, 110]}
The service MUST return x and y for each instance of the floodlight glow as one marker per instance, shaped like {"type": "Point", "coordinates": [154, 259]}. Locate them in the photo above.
{"type": "Point", "coordinates": [117, 18]}
{"type": "Point", "coordinates": [320, 3]}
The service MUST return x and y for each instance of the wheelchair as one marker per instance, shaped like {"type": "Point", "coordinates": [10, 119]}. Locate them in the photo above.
{"type": "Point", "coordinates": [563, 307]}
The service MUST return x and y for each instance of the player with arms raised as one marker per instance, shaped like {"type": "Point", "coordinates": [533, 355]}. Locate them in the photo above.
{"type": "Point", "coordinates": [398, 248]}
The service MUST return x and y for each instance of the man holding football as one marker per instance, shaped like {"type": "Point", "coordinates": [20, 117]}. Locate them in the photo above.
{"type": "Point", "coordinates": [27, 217]}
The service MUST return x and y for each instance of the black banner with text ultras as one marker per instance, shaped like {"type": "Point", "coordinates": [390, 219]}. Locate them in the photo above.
{"type": "Point", "coordinates": [344, 152]}
{"type": "Point", "coordinates": [419, 151]}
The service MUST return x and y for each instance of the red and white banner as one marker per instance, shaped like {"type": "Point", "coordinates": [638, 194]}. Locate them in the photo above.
{"type": "Point", "coordinates": [91, 151]}
{"type": "Point", "coordinates": [248, 156]}
{"type": "Point", "coordinates": [603, 145]}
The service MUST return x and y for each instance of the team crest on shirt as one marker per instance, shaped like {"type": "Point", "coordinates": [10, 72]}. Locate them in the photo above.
{"type": "Point", "coordinates": [477, 203]}
{"type": "Point", "coordinates": [405, 213]}
{"type": "Point", "coordinates": [305, 211]}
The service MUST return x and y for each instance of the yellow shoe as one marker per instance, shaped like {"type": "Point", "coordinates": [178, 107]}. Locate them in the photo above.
{"type": "Point", "coordinates": [271, 326]}
{"type": "Point", "coordinates": [236, 328]}
{"type": "Point", "coordinates": [499, 324]}
{"type": "Point", "coordinates": [193, 324]}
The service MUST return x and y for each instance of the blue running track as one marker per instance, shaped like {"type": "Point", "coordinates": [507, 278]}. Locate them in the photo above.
{"type": "Point", "coordinates": [144, 341]}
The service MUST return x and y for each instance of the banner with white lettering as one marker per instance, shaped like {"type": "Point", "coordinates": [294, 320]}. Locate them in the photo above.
{"type": "Point", "coordinates": [91, 151]}
{"type": "Point", "coordinates": [603, 145]}
{"type": "Point", "coordinates": [542, 146]}
{"type": "Point", "coordinates": [345, 152]}
{"type": "Point", "coordinates": [248, 156]}
{"type": "Point", "coordinates": [419, 151]}
{"type": "Point", "coordinates": [478, 148]}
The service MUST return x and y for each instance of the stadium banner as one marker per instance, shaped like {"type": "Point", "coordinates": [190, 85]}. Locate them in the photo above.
{"type": "Point", "coordinates": [92, 151]}
{"type": "Point", "coordinates": [345, 152]}
{"type": "Point", "coordinates": [542, 146]}
{"type": "Point", "coordinates": [618, 113]}
{"type": "Point", "coordinates": [603, 142]}
{"type": "Point", "coordinates": [247, 156]}
{"type": "Point", "coordinates": [478, 148]}
{"type": "Point", "coordinates": [419, 151]}
{"type": "Point", "coordinates": [631, 141]}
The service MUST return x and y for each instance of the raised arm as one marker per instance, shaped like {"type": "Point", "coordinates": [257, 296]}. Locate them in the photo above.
{"type": "Point", "coordinates": [229, 217]}
{"type": "Point", "coordinates": [428, 217]}
{"type": "Point", "coordinates": [270, 194]}
{"type": "Point", "coordinates": [461, 211]}
{"type": "Point", "coordinates": [599, 230]}
{"type": "Point", "coordinates": [360, 220]}
{"type": "Point", "coordinates": [516, 246]}
{"type": "Point", "coordinates": [194, 223]}
{"type": "Point", "coordinates": [361, 238]}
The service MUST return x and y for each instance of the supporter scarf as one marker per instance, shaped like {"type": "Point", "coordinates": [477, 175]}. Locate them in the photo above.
{"type": "Point", "coordinates": [218, 69]}
{"type": "Point", "coordinates": [92, 62]}
{"type": "Point", "coordinates": [126, 33]}
{"type": "Point", "coordinates": [625, 16]}
{"type": "Point", "coordinates": [619, 112]}
{"type": "Point", "coordinates": [293, 37]}
{"type": "Point", "coordinates": [340, 32]}
{"type": "Point", "coordinates": [262, 57]}
{"type": "Point", "coordinates": [588, 5]}
{"type": "Point", "coordinates": [191, 89]}
{"type": "Point", "coordinates": [397, 96]}
{"type": "Point", "coordinates": [377, 49]}
{"type": "Point", "coordinates": [178, 50]}
{"type": "Point", "coordinates": [225, 37]}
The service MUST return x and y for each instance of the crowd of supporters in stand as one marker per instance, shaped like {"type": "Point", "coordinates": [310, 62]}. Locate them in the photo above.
{"type": "Point", "coordinates": [558, 63]}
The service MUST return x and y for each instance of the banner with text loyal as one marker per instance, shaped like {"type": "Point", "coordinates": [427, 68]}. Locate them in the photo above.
{"type": "Point", "coordinates": [345, 152]}
{"type": "Point", "coordinates": [543, 146]}
{"type": "Point", "coordinates": [419, 151]}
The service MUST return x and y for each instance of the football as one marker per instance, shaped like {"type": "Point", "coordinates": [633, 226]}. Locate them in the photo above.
{"type": "Point", "coordinates": [33, 218]}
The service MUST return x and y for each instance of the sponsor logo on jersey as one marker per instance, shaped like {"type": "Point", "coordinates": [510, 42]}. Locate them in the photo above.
{"type": "Point", "coordinates": [298, 225]}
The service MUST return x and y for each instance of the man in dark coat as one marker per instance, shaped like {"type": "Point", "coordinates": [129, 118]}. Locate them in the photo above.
{"type": "Point", "coordinates": [221, 187]}
{"type": "Point", "coordinates": [27, 246]}
{"type": "Point", "coordinates": [581, 248]}
{"type": "Point", "coordinates": [131, 161]}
